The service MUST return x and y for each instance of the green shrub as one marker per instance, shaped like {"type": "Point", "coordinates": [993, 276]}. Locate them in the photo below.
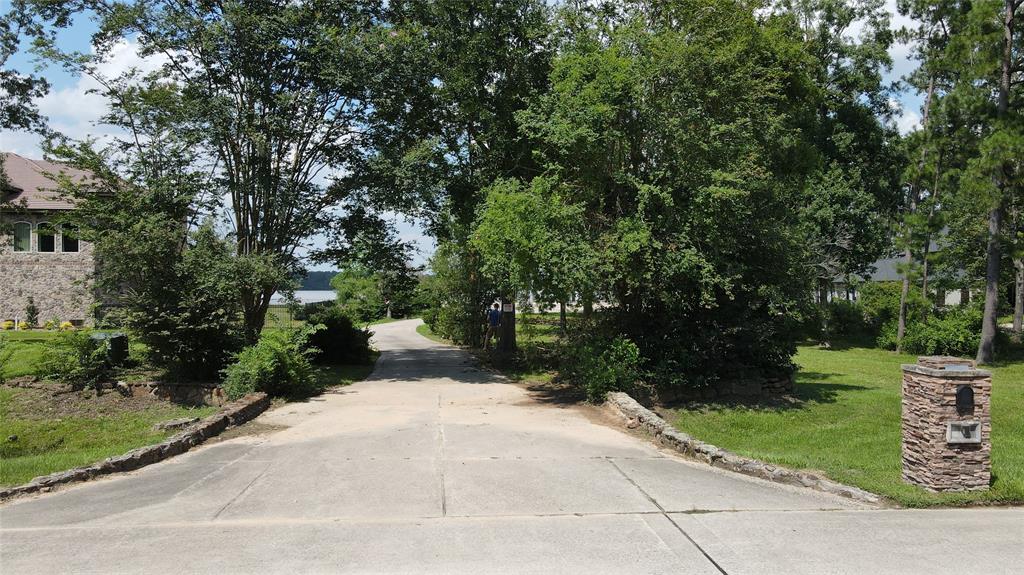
{"type": "Point", "coordinates": [359, 293]}
{"type": "Point", "coordinates": [881, 303]}
{"type": "Point", "coordinates": [278, 364]}
{"type": "Point", "coordinates": [32, 312]}
{"type": "Point", "coordinates": [601, 365]}
{"type": "Point", "coordinates": [338, 341]}
{"type": "Point", "coordinates": [303, 312]}
{"type": "Point", "coordinates": [954, 332]}
{"type": "Point", "coordinates": [846, 318]}
{"type": "Point", "coordinates": [75, 359]}
{"type": "Point", "coordinates": [188, 313]}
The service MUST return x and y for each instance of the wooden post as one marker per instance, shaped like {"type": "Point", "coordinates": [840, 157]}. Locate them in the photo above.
{"type": "Point", "coordinates": [508, 325]}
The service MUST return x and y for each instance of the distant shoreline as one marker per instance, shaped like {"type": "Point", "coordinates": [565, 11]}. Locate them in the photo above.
{"type": "Point", "coordinates": [305, 296]}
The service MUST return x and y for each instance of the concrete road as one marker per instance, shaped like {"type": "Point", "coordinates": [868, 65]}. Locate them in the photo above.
{"type": "Point", "coordinates": [432, 466]}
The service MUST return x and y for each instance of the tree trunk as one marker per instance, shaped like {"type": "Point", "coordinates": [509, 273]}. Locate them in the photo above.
{"type": "Point", "coordinates": [928, 230]}
{"type": "Point", "coordinates": [901, 323]}
{"type": "Point", "coordinates": [908, 255]}
{"type": "Point", "coordinates": [989, 326]}
{"type": "Point", "coordinates": [254, 314]}
{"type": "Point", "coordinates": [561, 317]}
{"type": "Point", "coordinates": [1018, 300]}
{"type": "Point", "coordinates": [986, 347]}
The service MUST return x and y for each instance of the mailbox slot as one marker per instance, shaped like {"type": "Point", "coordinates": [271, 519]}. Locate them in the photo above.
{"type": "Point", "coordinates": [963, 432]}
{"type": "Point", "coordinates": [964, 399]}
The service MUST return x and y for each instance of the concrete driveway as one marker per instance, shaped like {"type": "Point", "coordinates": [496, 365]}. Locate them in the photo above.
{"type": "Point", "coordinates": [432, 466]}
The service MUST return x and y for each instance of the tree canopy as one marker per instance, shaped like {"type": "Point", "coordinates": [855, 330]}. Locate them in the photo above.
{"type": "Point", "coordinates": [699, 168]}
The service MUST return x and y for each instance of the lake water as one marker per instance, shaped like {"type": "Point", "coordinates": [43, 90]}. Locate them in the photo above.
{"type": "Point", "coordinates": [305, 296]}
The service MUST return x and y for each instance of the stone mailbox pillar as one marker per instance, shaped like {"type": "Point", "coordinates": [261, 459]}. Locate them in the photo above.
{"type": "Point", "coordinates": [946, 424]}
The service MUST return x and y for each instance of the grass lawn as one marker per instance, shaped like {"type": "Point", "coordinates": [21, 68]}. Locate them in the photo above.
{"type": "Point", "coordinates": [384, 320]}
{"type": "Point", "coordinates": [424, 330]}
{"type": "Point", "coordinates": [41, 435]}
{"type": "Point", "coordinates": [28, 350]}
{"type": "Point", "coordinates": [57, 432]}
{"type": "Point", "coordinates": [846, 424]}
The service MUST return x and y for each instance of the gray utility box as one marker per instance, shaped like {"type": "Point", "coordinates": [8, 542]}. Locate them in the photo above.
{"type": "Point", "coordinates": [947, 427]}
{"type": "Point", "coordinates": [116, 344]}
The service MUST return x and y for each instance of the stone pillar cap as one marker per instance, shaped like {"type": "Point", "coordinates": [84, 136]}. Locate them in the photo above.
{"type": "Point", "coordinates": [946, 373]}
{"type": "Point", "coordinates": [940, 361]}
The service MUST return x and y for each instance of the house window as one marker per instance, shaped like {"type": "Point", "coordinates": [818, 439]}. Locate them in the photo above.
{"type": "Point", "coordinates": [47, 240]}
{"type": "Point", "coordinates": [68, 239]}
{"type": "Point", "coordinates": [22, 237]}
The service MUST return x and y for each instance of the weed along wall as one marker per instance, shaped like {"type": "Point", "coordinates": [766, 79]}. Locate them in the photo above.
{"type": "Point", "coordinates": [947, 426]}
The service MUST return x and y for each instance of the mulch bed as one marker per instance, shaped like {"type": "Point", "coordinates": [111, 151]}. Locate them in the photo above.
{"type": "Point", "coordinates": [42, 401]}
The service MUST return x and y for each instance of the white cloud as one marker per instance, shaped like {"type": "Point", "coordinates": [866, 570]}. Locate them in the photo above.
{"type": "Point", "coordinates": [76, 110]}
{"type": "Point", "coordinates": [908, 122]}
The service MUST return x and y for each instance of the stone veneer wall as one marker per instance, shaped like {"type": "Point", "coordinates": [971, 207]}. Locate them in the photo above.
{"type": "Point", "coordinates": [59, 282]}
{"type": "Point", "coordinates": [929, 403]}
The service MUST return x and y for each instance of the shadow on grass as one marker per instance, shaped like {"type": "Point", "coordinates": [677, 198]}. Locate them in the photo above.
{"type": "Point", "coordinates": [1007, 354]}
{"type": "Point", "coordinates": [814, 391]}
{"type": "Point", "coordinates": [843, 342]}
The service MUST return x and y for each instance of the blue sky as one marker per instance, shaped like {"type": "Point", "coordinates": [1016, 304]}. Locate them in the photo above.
{"type": "Point", "coordinates": [74, 112]}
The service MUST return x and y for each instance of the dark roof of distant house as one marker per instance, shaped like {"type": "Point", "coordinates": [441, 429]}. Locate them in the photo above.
{"type": "Point", "coordinates": [28, 182]}
{"type": "Point", "coordinates": [886, 271]}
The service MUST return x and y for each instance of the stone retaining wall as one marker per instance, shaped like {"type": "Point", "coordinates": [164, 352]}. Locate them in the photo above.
{"type": "Point", "coordinates": [188, 393]}
{"type": "Point", "coordinates": [234, 413]}
{"type": "Point", "coordinates": [637, 416]}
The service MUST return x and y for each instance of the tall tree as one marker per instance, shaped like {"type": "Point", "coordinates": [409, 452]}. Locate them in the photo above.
{"type": "Point", "coordinates": [276, 88]}
{"type": "Point", "coordinates": [444, 125]}
{"type": "Point", "coordinates": [672, 129]}
{"type": "Point", "coordinates": [852, 186]}
{"type": "Point", "coordinates": [1005, 150]}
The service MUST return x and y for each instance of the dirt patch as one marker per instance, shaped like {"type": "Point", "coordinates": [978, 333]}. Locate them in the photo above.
{"type": "Point", "coordinates": [555, 393]}
{"type": "Point", "coordinates": [50, 401]}
{"type": "Point", "coordinates": [250, 429]}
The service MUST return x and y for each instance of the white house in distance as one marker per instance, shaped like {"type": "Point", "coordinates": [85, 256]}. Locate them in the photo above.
{"type": "Point", "coordinates": [38, 259]}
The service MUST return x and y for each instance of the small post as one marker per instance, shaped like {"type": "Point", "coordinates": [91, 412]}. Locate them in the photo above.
{"type": "Point", "coordinates": [508, 326]}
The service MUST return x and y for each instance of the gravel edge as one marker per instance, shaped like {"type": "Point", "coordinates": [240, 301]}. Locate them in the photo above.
{"type": "Point", "coordinates": [636, 416]}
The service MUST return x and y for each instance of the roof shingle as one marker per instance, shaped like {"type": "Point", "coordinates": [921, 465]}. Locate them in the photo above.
{"type": "Point", "coordinates": [27, 182]}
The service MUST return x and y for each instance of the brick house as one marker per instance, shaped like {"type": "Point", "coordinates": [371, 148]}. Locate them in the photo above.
{"type": "Point", "coordinates": [37, 257]}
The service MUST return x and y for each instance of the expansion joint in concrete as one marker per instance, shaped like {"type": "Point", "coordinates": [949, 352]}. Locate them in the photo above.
{"type": "Point", "coordinates": [665, 514]}
{"type": "Point", "coordinates": [241, 493]}
{"type": "Point", "coordinates": [441, 459]}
